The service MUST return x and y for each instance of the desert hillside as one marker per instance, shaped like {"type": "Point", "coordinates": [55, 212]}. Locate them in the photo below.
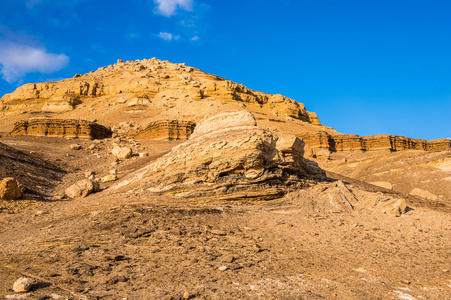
{"type": "Point", "coordinates": [153, 180]}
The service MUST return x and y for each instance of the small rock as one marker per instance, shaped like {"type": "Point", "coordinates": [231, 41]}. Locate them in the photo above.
{"type": "Point", "coordinates": [218, 232]}
{"type": "Point", "coordinates": [10, 189]}
{"type": "Point", "coordinates": [122, 152]}
{"type": "Point", "coordinates": [75, 147]}
{"type": "Point", "coordinates": [89, 173]}
{"type": "Point", "coordinates": [384, 184]}
{"type": "Point", "coordinates": [109, 178]}
{"type": "Point", "coordinates": [395, 207]}
{"type": "Point", "coordinates": [22, 285]}
{"type": "Point", "coordinates": [360, 270]}
{"type": "Point", "coordinates": [186, 295]}
{"type": "Point", "coordinates": [113, 172]}
{"type": "Point", "coordinates": [17, 296]}
{"type": "Point", "coordinates": [143, 154]}
{"type": "Point", "coordinates": [423, 194]}
{"type": "Point", "coordinates": [82, 188]}
{"type": "Point", "coordinates": [222, 268]}
{"type": "Point", "coordinates": [117, 279]}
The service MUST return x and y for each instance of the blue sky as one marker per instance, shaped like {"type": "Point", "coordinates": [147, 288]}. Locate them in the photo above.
{"type": "Point", "coordinates": [365, 66]}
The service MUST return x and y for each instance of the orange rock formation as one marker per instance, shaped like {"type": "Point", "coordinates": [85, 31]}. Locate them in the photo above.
{"type": "Point", "coordinates": [346, 142]}
{"type": "Point", "coordinates": [166, 130]}
{"type": "Point", "coordinates": [61, 128]}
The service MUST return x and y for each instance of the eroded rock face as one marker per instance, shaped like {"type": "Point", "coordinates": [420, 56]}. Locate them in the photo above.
{"type": "Point", "coordinates": [345, 142]}
{"type": "Point", "coordinates": [166, 130]}
{"type": "Point", "coordinates": [61, 128]}
{"type": "Point", "coordinates": [228, 156]}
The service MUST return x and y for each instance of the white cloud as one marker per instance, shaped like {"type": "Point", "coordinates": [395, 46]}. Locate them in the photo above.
{"type": "Point", "coordinates": [17, 60]}
{"type": "Point", "coordinates": [195, 38]}
{"type": "Point", "coordinates": [168, 36]}
{"type": "Point", "coordinates": [168, 8]}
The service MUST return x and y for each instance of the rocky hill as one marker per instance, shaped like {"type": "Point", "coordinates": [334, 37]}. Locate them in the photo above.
{"type": "Point", "coordinates": [153, 180]}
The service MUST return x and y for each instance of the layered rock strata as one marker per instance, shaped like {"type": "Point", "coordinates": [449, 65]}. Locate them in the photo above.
{"type": "Point", "coordinates": [61, 128]}
{"type": "Point", "coordinates": [166, 130]}
{"type": "Point", "coordinates": [347, 142]}
{"type": "Point", "coordinates": [228, 157]}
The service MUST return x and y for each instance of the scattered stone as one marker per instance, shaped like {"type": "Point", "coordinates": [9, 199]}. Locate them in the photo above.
{"type": "Point", "coordinates": [143, 154]}
{"type": "Point", "coordinates": [113, 172]}
{"type": "Point", "coordinates": [10, 189]}
{"type": "Point", "coordinates": [222, 268]}
{"type": "Point", "coordinates": [423, 194]}
{"type": "Point", "coordinates": [117, 279]}
{"type": "Point", "coordinates": [89, 173]}
{"type": "Point", "coordinates": [109, 178]}
{"type": "Point", "coordinates": [186, 295]}
{"type": "Point", "coordinates": [17, 296]}
{"type": "Point", "coordinates": [394, 207]}
{"type": "Point", "coordinates": [75, 147]}
{"type": "Point", "coordinates": [122, 152]}
{"type": "Point", "coordinates": [82, 188]}
{"type": "Point", "coordinates": [22, 285]}
{"type": "Point", "coordinates": [383, 184]}
{"type": "Point", "coordinates": [360, 270]}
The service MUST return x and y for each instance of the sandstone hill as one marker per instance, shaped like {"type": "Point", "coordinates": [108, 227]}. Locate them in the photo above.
{"type": "Point", "coordinates": [153, 180]}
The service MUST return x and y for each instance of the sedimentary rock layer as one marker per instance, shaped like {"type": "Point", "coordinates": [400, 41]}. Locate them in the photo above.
{"type": "Point", "coordinates": [375, 142]}
{"type": "Point", "coordinates": [166, 130]}
{"type": "Point", "coordinates": [229, 157]}
{"type": "Point", "coordinates": [61, 128]}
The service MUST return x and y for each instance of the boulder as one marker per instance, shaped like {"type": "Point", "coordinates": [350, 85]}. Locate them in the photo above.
{"type": "Point", "coordinates": [229, 156]}
{"type": "Point", "coordinates": [121, 152]}
{"type": "Point", "coordinates": [10, 189]}
{"type": "Point", "coordinates": [22, 285]}
{"type": "Point", "coordinates": [82, 188]}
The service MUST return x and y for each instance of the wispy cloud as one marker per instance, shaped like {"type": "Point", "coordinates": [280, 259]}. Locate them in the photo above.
{"type": "Point", "coordinates": [169, 8]}
{"type": "Point", "coordinates": [17, 60]}
{"type": "Point", "coordinates": [168, 36]}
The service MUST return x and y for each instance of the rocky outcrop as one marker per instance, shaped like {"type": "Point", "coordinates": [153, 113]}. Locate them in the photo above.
{"type": "Point", "coordinates": [61, 128]}
{"type": "Point", "coordinates": [228, 157]}
{"type": "Point", "coordinates": [144, 79]}
{"type": "Point", "coordinates": [347, 142]}
{"type": "Point", "coordinates": [166, 130]}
